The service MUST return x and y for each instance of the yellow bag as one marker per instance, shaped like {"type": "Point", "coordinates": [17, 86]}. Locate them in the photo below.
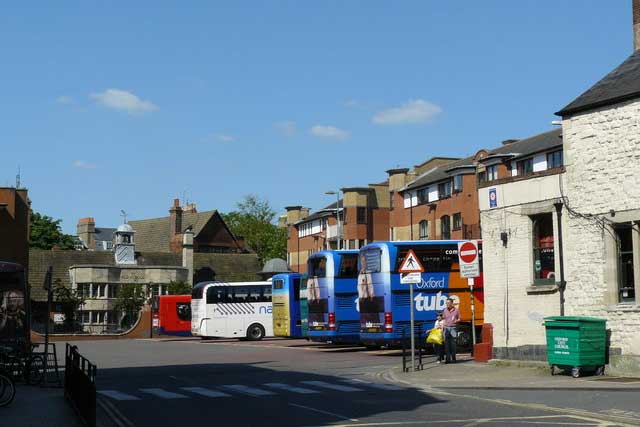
{"type": "Point", "coordinates": [435, 336]}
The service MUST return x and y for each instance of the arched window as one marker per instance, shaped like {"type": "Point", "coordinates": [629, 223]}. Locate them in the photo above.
{"type": "Point", "coordinates": [445, 227]}
{"type": "Point", "coordinates": [424, 230]}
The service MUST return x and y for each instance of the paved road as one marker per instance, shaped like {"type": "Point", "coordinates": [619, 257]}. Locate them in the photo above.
{"type": "Point", "coordinates": [290, 383]}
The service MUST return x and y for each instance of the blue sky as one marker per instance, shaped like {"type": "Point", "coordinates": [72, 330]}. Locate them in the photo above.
{"type": "Point", "coordinates": [108, 107]}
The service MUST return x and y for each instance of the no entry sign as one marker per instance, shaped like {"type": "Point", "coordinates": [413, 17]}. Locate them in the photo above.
{"type": "Point", "coordinates": [469, 259]}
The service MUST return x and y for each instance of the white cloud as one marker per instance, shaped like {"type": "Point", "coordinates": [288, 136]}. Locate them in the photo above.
{"type": "Point", "coordinates": [221, 137]}
{"type": "Point", "coordinates": [352, 103]}
{"type": "Point", "coordinates": [65, 100]}
{"type": "Point", "coordinates": [81, 164]}
{"type": "Point", "coordinates": [122, 100]}
{"type": "Point", "coordinates": [414, 111]}
{"type": "Point", "coordinates": [329, 132]}
{"type": "Point", "coordinates": [286, 127]}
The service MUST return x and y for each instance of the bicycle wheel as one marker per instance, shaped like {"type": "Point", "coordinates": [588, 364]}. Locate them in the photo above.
{"type": "Point", "coordinates": [34, 370]}
{"type": "Point", "coordinates": [7, 390]}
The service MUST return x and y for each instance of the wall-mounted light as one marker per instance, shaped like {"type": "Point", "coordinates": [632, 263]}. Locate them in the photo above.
{"type": "Point", "coordinates": [504, 237]}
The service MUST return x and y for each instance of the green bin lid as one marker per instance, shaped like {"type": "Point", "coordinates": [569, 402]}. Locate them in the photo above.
{"type": "Point", "coordinates": [575, 319]}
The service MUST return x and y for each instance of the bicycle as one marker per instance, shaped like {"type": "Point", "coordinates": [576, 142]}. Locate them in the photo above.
{"type": "Point", "coordinates": [7, 389]}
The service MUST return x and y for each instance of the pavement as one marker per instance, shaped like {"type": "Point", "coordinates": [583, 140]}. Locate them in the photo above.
{"type": "Point", "coordinates": [507, 375]}
{"type": "Point", "coordinates": [37, 406]}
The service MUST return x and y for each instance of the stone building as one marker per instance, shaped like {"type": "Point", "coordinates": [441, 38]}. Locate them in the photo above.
{"type": "Point", "coordinates": [602, 204]}
{"type": "Point", "coordinates": [520, 183]}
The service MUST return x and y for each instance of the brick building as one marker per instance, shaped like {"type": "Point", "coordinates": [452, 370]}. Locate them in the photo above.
{"type": "Point", "coordinates": [437, 200]}
{"type": "Point", "coordinates": [14, 225]}
{"type": "Point", "coordinates": [364, 218]}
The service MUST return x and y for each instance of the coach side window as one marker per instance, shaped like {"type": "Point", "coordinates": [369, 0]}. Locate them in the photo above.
{"type": "Point", "coordinates": [217, 295]}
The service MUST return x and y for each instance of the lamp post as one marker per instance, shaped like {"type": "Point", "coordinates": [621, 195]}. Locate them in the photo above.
{"type": "Point", "coordinates": [337, 193]}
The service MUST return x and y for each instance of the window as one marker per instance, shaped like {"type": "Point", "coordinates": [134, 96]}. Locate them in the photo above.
{"type": "Point", "coordinates": [423, 230]}
{"type": "Point", "coordinates": [361, 243]}
{"type": "Point", "coordinates": [349, 266]}
{"type": "Point", "coordinates": [543, 253]}
{"type": "Point", "coordinates": [318, 267]}
{"type": "Point", "coordinates": [94, 291]}
{"type": "Point", "coordinates": [457, 183]}
{"type": "Point", "coordinates": [525, 167]}
{"type": "Point", "coordinates": [371, 260]}
{"type": "Point", "coordinates": [85, 317]}
{"type": "Point", "coordinates": [423, 195]}
{"type": "Point", "coordinates": [457, 221]}
{"type": "Point", "coordinates": [278, 284]}
{"type": "Point", "coordinates": [183, 310]}
{"type": "Point", "coordinates": [391, 200]}
{"type": "Point", "coordinates": [362, 215]}
{"type": "Point", "coordinates": [102, 291]}
{"type": "Point", "coordinates": [217, 294]}
{"type": "Point", "coordinates": [444, 189]}
{"type": "Point", "coordinates": [492, 172]}
{"type": "Point", "coordinates": [554, 160]}
{"type": "Point", "coordinates": [445, 228]}
{"type": "Point", "coordinates": [482, 176]}
{"type": "Point", "coordinates": [112, 291]}
{"type": "Point", "coordinates": [84, 290]}
{"type": "Point", "coordinates": [352, 244]}
{"type": "Point", "coordinates": [296, 289]}
{"type": "Point", "coordinates": [434, 258]}
{"type": "Point", "coordinates": [624, 239]}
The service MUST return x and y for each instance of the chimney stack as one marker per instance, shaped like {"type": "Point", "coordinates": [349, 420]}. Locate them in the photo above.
{"type": "Point", "coordinates": [175, 224]}
{"type": "Point", "coordinates": [636, 24]}
{"type": "Point", "coordinates": [86, 230]}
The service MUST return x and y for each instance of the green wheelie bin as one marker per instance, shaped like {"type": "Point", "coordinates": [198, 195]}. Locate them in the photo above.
{"type": "Point", "coordinates": [576, 343]}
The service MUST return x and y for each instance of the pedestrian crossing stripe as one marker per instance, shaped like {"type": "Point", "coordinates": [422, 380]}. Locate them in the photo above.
{"type": "Point", "coordinates": [259, 390]}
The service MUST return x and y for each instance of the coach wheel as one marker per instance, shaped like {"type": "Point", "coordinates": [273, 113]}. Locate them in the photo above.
{"type": "Point", "coordinates": [255, 332]}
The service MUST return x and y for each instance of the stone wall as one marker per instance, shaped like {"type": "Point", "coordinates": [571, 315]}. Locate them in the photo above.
{"type": "Point", "coordinates": [602, 158]}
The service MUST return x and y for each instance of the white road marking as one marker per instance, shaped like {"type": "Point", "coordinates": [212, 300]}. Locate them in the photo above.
{"type": "Point", "coordinates": [205, 392]}
{"type": "Point", "coordinates": [158, 392]}
{"type": "Point", "coordinates": [248, 390]}
{"type": "Point", "coordinates": [381, 386]}
{"type": "Point", "coordinates": [117, 395]}
{"type": "Point", "coordinates": [330, 386]}
{"type": "Point", "coordinates": [287, 387]}
{"type": "Point", "coordinates": [323, 412]}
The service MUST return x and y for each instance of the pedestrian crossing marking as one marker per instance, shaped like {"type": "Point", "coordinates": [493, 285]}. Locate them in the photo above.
{"type": "Point", "coordinates": [205, 392]}
{"type": "Point", "coordinates": [330, 386]}
{"type": "Point", "coordinates": [381, 386]}
{"type": "Point", "coordinates": [116, 395]}
{"type": "Point", "coordinates": [287, 387]}
{"type": "Point", "coordinates": [248, 390]}
{"type": "Point", "coordinates": [163, 393]}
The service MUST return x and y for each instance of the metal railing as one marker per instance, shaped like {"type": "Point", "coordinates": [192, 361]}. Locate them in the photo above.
{"type": "Point", "coordinates": [80, 384]}
{"type": "Point", "coordinates": [419, 349]}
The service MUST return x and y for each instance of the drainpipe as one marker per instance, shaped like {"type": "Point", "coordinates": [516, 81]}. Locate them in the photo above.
{"type": "Point", "coordinates": [411, 214]}
{"type": "Point", "coordinates": [562, 284]}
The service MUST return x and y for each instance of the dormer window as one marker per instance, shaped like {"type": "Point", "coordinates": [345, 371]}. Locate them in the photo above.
{"type": "Point", "coordinates": [554, 159]}
{"type": "Point", "coordinates": [492, 172]}
{"type": "Point", "coordinates": [525, 167]}
{"type": "Point", "coordinates": [444, 189]}
{"type": "Point", "coordinates": [423, 195]}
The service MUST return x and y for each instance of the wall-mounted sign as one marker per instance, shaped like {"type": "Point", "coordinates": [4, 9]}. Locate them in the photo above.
{"type": "Point", "coordinates": [493, 198]}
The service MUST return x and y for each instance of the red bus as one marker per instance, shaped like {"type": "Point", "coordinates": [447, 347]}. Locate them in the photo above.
{"type": "Point", "coordinates": [172, 315]}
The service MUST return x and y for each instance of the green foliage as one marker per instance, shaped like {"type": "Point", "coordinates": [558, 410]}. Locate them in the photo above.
{"type": "Point", "coordinates": [179, 288]}
{"type": "Point", "coordinates": [45, 233]}
{"type": "Point", "coordinates": [130, 298]}
{"type": "Point", "coordinates": [254, 220]}
{"type": "Point", "coordinates": [69, 302]}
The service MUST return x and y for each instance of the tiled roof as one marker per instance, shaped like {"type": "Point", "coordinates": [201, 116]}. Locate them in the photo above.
{"type": "Point", "coordinates": [534, 144]}
{"type": "Point", "coordinates": [104, 234]}
{"type": "Point", "coordinates": [326, 211]}
{"type": "Point", "coordinates": [619, 85]}
{"type": "Point", "coordinates": [438, 173]}
{"type": "Point", "coordinates": [154, 235]}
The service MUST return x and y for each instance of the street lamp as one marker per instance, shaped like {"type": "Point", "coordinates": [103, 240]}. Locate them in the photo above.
{"type": "Point", "coordinates": [337, 193]}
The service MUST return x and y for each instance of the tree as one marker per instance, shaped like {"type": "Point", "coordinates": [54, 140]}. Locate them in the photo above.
{"type": "Point", "coordinates": [70, 302]}
{"type": "Point", "coordinates": [254, 221]}
{"type": "Point", "coordinates": [130, 300]}
{"type": "Point", "coordinates": [45, 233]}
{"type": "Point", "coordinates": [179, 288]}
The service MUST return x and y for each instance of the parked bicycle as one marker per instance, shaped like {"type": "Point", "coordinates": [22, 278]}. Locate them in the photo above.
{"type": "Point", "coordinates": [28, 366]}
{"type": "Point", "coordinates": [7, 388]}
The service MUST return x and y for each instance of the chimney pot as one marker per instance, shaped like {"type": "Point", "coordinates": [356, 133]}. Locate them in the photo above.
{"type": "Point", "coordinates": [176, 203]}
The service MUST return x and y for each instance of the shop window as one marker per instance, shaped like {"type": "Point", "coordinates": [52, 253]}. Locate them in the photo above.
{"type": "Point", "coordinates": [626, 285]}
{"type": "Point", "coordinates": [543, 251]}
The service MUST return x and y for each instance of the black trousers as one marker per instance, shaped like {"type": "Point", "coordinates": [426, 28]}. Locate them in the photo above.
{"type": "Point", "coordinates": [438, 350]}
{"type": "Point", "coordinates": [450, 335]}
